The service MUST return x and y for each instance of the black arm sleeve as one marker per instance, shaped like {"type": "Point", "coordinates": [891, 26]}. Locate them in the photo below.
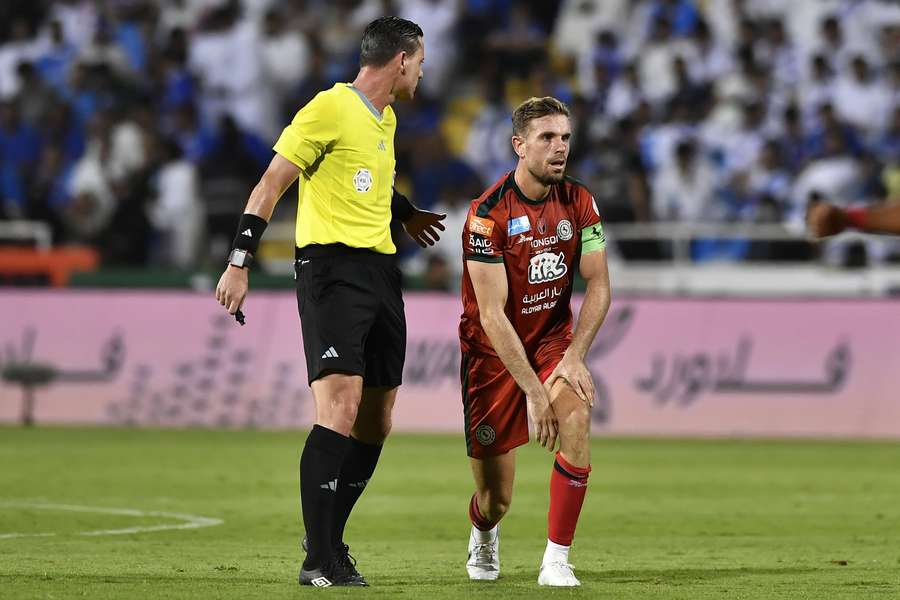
{"type": "Point", "coordinates": [401, 208]}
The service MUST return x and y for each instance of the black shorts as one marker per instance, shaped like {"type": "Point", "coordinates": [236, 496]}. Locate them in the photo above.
{"type": "Point", "coordinates": [351, 313]}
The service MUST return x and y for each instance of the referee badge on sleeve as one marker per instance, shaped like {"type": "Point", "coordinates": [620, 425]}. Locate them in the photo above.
{"type": "Point", "coordinates": [362, 181]}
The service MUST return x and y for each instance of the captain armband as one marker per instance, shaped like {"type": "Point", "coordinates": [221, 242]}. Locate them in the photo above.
{"type": "Point", "coordinates": [592, 239]}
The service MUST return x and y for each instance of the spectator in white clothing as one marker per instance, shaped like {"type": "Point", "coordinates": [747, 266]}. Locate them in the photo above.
{"type": "Point", "coordinates": [683, 189]}
{"type": "Point", "coordinates": [861, 99]}
{"type": "Point", "coordinates": [655, 63]}
{"type": "Point", "coordinates": [285, 53]}
{"type": "Point", "coordinates": [818, 88]}
{"type": "Point", "coordinates": [176, 213]}
{"type": "Point", "coordinates": [438, 19]}
{"type": "Point", "coordinates": [20, 48]}
{"type": "Point", "coordinates": [625, 94]}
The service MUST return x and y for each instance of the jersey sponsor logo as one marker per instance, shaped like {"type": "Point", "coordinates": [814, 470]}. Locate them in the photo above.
{"type": "Point", "coordinates": [362, 181]}
{"type": "Point", "coordinates": [536, 308]}
{"type": "Point", "coordinates": [381, 145]}
{"type": "Point", "coordinates": [546, 294]}
{"type": "Point", "coordinates": [330, 485]}
{"type": "Point", "coordinates": [248, 233]}
{"type": "Point", "coordinates": [544, 241]}
{"type": "Point", "coordinates": [564, 230]}
{"type": "Point", "coordinates": [542, 227]}
{"type": "Point", "coordinates": [485, 435]}
{"type": "Point", "coordinates": [546, 266]}
{"type": "Point", "coordinates": [518, 225]}
{"type": "Point", "coordinates": [481, 226]}
{"type": "Point", "coordinates": [524, 238]}
{"type": "Point", "coordinates": [480, 244]}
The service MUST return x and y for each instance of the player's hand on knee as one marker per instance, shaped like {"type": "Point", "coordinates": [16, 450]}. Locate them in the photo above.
{"type": "Point", "coordinates": [232, 288]}
{"type": "Point", "coordinates": [573, 371]}
{"type": "Point", "coordinates": [546, 429]}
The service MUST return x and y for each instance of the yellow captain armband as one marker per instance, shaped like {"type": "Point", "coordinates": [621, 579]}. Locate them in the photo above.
{"type": "Point", "coordinates": [592, 239]}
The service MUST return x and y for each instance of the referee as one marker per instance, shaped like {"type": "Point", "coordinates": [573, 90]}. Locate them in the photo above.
{"type": "Point", "coordinates": [348, 285]}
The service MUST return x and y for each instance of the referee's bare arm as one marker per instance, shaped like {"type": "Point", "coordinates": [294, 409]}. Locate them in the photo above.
{"type": "Point", "coordinates": [280, 174]}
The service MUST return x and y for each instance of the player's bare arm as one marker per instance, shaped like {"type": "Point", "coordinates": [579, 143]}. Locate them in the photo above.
{"type": "Point", "coordinates": [279, 175]}
{"type": "Point", "coordinates": [491, 291]}
{"type": "Point", "coordinates": [825, 219]}
{"type": "Point", "coordinates": [572, 368]}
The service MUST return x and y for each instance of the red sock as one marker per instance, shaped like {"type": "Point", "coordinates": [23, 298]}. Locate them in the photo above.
{"type": "Point", "coordinates": [568, 485]}
{"type": "Point", "coordinates": [478, 520]}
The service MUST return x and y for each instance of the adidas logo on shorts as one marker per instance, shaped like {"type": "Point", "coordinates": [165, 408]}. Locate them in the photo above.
{"type": "Point", "coordinates": [330, 353]}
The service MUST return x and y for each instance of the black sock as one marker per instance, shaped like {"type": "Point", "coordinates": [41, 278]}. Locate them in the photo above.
{"type": "Point", "coordinates": [359, 464]}
{"type": "Point", "coordinates": [320, 467]}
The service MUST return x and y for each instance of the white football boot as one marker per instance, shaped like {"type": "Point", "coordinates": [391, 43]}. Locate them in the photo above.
{"type": "Point", "coordinates": [484, 554]}
{"type": "Point", "coordinates": [558, 574]}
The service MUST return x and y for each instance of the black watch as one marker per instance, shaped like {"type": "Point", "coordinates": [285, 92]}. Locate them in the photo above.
{"type": "Point", "coordinates": [240, 258]}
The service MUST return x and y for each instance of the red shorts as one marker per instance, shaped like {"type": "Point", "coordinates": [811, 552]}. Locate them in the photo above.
{"type": "Point", "coordinates": [494, 408]}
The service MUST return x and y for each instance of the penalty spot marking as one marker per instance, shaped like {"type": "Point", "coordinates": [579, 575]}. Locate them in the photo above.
{"type": "Point", "coordinates": [186, 521]}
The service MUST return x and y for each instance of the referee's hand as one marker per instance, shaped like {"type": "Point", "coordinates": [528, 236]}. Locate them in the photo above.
{"type": "Point", "coordinates": [232, 288]}
{"type": "Point", "coordinates": [423, 227]}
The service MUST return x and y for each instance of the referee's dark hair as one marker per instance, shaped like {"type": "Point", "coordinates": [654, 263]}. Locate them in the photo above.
{"type": "Point", "coordinates": [385, 37]}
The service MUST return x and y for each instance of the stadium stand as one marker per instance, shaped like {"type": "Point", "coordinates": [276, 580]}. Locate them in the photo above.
{"type": "Point", "coordinates": [137, 128]}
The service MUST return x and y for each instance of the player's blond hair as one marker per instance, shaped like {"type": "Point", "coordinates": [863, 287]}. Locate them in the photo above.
{"type": "Point", "coordinates": [535, 108]}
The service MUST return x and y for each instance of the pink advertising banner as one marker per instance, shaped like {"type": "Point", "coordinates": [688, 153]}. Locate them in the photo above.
{"type": "Point", "coordinates": [661, 367]}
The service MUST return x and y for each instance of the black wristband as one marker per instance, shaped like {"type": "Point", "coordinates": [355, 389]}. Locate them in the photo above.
{"type": "Point", "coordinates": [401, 208]}
{"type": "Point", "coordinates": [249, 233]}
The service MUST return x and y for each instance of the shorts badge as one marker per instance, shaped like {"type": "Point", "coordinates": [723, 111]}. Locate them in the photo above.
{"type": "Point", "coordinates": [485, 435]}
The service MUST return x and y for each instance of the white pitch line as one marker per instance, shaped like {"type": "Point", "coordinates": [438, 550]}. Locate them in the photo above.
{"type": "Point", "coordinates": [9, 536]}
{"type": "Point", "coordinates": [190, 521]}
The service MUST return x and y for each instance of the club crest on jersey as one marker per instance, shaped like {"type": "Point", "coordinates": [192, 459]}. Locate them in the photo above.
{"type": "Point", "coordinates": [564, 230]}
{"type": "Point", "coordinates": [481, 226]}
{"type": "Point", "coordinates": [546, 266]}
{"type": "Point", "coordinates": [362, 181]}
{"type": "Point", "coordinates": [518, 225]}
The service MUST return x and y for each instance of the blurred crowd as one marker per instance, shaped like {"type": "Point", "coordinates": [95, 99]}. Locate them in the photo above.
{"type": "Point", "coordinates": [140, 127]}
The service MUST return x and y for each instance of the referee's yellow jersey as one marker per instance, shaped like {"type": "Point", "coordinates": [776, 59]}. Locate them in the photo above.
{"type": "Point", "coordinates": [345, 149]}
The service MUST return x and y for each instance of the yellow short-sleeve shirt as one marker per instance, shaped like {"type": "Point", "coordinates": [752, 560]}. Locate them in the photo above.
{"type": "Point", "coordinates": [345, 149]}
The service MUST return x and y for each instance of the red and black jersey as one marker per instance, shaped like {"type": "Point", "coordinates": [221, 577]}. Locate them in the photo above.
{"type": "Point", "coordinates": [539, 242]}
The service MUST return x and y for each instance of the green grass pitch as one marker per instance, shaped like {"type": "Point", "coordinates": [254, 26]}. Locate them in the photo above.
{"type": "Point", "coordinates": [663, 518]}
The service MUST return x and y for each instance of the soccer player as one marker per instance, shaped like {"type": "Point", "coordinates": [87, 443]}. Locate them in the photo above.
{"type": "Point", "coordinates": [348, 286]}
{"type": "Point", "coordinates": [522, 241]}
{"type": "Point", "coordinates": [826, 219]}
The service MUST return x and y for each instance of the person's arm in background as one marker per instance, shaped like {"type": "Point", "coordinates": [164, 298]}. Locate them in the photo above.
{"type": "Point", "coordinates": [825, 219]}
{"type": "Point", "coordinates": [234, 282]}
{"type": "Point", "coordinates": [491, 291]}
{"type": "Point", "coordinates": [421, 225]}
